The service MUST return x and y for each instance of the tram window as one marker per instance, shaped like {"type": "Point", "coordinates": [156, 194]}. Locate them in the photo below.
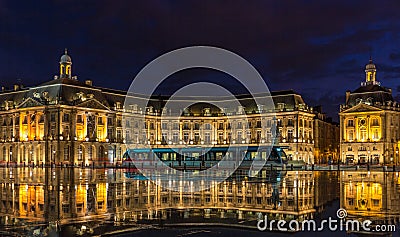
{"type": "Point", "coordinates": [263, 155]}
{"type": "Point", "coordinates": [195, 155]}
{"type": "Point", "coordinates": [282, 155]}
{"type": "Point", "coordinates": [164, 156]}
{"type": "Point", "coordinates": [273, 156]}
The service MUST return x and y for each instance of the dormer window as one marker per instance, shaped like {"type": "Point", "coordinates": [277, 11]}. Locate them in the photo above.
{"type": "Point", "coordinates": [207, 111]}
{"type": "Point", "coordinates": [118, 105]}
{"type": "Point", "coordinates": [281, 106]}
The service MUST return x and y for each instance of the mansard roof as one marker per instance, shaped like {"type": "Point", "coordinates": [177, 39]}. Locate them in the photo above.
{"type": "Point", "coordinates": [371, 88]}
{"type": "Point", "coordinates": [371, 94]}
{"type": "Point", "coordinates": [289, 98]}
{"type": "Point", "coordinates": [73, 92]}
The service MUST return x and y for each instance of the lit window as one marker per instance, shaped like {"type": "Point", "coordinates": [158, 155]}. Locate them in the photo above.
{"type": "Point", "coordinates": [350, 135]}
{"type": "Point", "coordinates": [350, 123]}
{"type": "Point", "coordinates": [363, 134]}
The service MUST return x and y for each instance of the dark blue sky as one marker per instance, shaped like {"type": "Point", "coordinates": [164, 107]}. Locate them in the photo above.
{"type": "Point", "coordinates": [318, 48]}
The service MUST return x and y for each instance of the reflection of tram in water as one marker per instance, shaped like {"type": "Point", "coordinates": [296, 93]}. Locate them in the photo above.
{"type": "Point", "coordinates": [195, 157]}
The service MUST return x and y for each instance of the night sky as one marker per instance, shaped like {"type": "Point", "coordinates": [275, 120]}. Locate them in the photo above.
{"type": "Point", "coordinates": [318, 48]}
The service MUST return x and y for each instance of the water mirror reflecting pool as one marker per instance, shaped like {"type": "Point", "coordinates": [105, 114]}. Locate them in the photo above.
{"type": "Point", "coordinates": [84, 201]}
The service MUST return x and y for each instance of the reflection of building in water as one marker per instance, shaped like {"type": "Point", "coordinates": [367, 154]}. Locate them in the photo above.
{"type": "Point", "coordinates": [67, 195]}
{"type": "Point", "coordinates": [39, 195]}
{"type": "Point", "coordinates": [371, 195]}
{"type": "Point", "coordinates": [65, 120]}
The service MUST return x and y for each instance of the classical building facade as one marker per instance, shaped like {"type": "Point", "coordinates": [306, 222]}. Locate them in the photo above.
{"type": "Point", "coordinates": [326, 136]}
{"type": "Point", "coordinates": [71, 122]}
{"type": "Point", "coordinates": [369, 122]}
{"type": "Point", "coordinates": [60, 121]}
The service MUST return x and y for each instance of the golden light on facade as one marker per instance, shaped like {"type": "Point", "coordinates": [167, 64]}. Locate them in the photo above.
{"type": "Point", "coordinates": [368, 123]}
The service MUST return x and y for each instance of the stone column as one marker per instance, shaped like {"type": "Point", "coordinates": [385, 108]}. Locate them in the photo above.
{"type": "Point", "coordinates": [72, 135]}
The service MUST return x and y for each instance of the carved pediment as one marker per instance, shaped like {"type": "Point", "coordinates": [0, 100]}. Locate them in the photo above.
{"type": "Point", "coordinates": [30, 102]}
{"type": "Point", "coordinates": [93, 104]}
{"type": "Point", "coordinates": [361, 108]}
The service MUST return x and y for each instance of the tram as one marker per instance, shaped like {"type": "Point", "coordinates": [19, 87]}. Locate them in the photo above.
{"type": "Point", "coordinates": [194, 157]}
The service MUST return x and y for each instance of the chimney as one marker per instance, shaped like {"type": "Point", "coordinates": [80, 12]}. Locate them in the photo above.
{"type": "Point", "coordinates": [88, 82]}
{"type": "Point", "coordinates": [16, 87]}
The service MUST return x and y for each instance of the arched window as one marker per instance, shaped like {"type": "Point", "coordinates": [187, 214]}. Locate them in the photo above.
{"type": "Point", "coordinates": [61, 69]}
{"type": "Point", "coordinates": [80, 152]}
{"type": "Point", "coordinates": [66, 152]}
{"type": "Point", "coordinates": [375, 122]}
{"type": "Point", "coordinates": [68, 70]}
{"type": "Point", "coordinates": [110, 154]}
{"type": "Point", "coordinates": [101, 153]}
{"type": "Point", "coordinates": [119, 153]}
{"type": "Point", "coordinates": [31, 155]}
{"type": "Point", "coordinates": [23, 153]}
{"type": "Point", "coordinates": [39, 156]}
{"type": "Point", "coordinates": [4, 153]}
{"type": "Point", "coordinates": [363, 134]}
{"type": "Point", "coordinates": [350, 135]}
{"type": "Point", "coordinates": [90, 152]}
{"type": "Point", "coordinates": [11, 153]}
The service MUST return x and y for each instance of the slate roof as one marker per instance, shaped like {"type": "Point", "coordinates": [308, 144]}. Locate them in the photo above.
{"type": "Point", "coordinates": [372, 94]}
{"type": "Point", "coordinates": [69, 92]}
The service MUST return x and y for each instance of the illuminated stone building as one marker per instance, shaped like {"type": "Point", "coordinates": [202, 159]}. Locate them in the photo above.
{"type": "Point", "coordinates": [71, 122]}
{"type": "Point", "coordinates": [60, 121]}
{"type": "Point", "coordinates": [369, 122]}
{"type": "Point", "coordinates": [295, 122]}
{"type": "Point", "coordinates": [326, 137]}
{"type": "Point", "coordinates": [306, 131]}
